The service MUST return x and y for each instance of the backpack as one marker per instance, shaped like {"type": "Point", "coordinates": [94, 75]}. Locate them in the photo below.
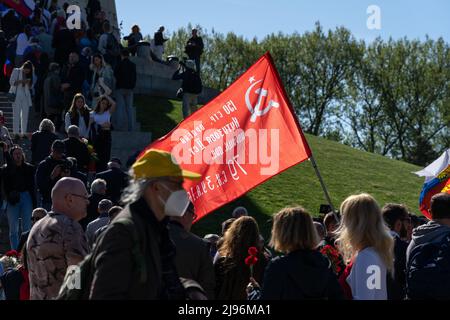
{"type": "Point", "coordinates": [112, 46]}
{"type": "Point", "coordinates": [428, 271]}
{"type": "Point", "coordinates": [77, 284]}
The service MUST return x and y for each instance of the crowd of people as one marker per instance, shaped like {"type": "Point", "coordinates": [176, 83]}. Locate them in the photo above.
{"type": "Point", "coordinates": [135, 242]}
{"type": "Point", "coordinates": [46, 65]}
{"type": "Point", "coordinates": [129, 233]}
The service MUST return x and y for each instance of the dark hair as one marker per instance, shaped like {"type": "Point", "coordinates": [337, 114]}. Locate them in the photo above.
{"type": "Point", "coordinates": [73, 111]}
{"type": "Point", "coordinates": [330, 218]}
{"type": "Point", "coordinates": [393, 212]}
{"type": "Point", "coordinates": [29, 65]}
{"type": "Point", "coordinates": [14, 148]}
{"type": "Point", "coordinates": [98, 55]}
{"type": "Point", "coordinates": [440, 206]}
{"type": "Point", "coordinates": [97, 106]}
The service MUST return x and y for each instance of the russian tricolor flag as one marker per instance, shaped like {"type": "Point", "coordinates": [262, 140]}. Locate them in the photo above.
{"type": "Point", "coordinates": [437, 180]}
{"type": "Point", "coordinates": [23, 7]}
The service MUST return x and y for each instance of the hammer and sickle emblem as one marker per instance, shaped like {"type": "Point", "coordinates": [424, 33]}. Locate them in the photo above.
{"type": "Point", "coordinates": [257, 111]}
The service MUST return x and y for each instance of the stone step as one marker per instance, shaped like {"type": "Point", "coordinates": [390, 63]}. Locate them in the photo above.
{"type": "Point", "coordinates": [125, 144]}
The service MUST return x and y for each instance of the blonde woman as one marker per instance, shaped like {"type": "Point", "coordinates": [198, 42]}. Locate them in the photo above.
{"type": "Point", "coordinates": [22, 82]}
{"type": "Point", "coordinates": [302, 273]}
{"type": "Point", "coordinates": [367, 246]}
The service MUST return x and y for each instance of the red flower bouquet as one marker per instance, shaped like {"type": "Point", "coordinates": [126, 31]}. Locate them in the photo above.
{"type": "Point", "coordinates": [334, 256]}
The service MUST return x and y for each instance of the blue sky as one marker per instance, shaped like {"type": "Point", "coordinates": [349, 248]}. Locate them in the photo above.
{"type": "Point", "coordinates": [250, 18]}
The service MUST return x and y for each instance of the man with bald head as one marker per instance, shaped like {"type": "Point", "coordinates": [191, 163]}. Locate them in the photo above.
{"type": "Point", "coordinates": [57, 241]}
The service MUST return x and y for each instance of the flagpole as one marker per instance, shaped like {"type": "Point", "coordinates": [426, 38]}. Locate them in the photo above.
{"type": "Point", "coordinates": [322, 183]}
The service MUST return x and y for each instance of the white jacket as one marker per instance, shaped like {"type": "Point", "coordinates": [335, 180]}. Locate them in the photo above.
{"type": "Point", "coordinates": [23, 93]}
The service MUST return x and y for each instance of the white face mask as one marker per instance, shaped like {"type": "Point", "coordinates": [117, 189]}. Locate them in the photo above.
{"type": "Point", "coordinates": [176, 204]}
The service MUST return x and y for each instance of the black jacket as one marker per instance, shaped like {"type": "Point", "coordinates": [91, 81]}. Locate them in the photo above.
{"type": "Point", "coordinates": [192, 83]}
{"type": "Point", "coordinates": [125, 74]}
{"type": "Point", "coordinates": [194, 47]}
{"type": "Point", "coordinates": [192, 259]}
{"type": "Point", "coordinates": [300, 275]}
{"type": "Point", "coordinates": [400, 248]}
{"type": "Point", "coordinates": [12, 182]}
{"type": "Point", "coordinates": [116, 274]}
{"type": "Point", "coordinates": [43, 177]}
{"type": "Point", "coordinates": [78, 150]}
{"type": "Point", "coordinates": [41, 144]}
{"type": "Point", "coordinates": [75, 76]}
{"type": "Point", "coordinates": [116, 181]}
{"type": "Point", "coordinates": [159, 39]}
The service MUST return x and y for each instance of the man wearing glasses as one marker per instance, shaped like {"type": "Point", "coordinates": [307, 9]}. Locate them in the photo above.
{"type": "Point", "coordinates": [36, 215]}
{"type": "Point", "coordinates": [57, 241]}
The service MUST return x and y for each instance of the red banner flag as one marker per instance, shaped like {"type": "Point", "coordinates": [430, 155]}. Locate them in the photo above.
{"type": "Point", "coordinates": [240, 139]}
{"type": "Point", "coordinates": [24, 7]}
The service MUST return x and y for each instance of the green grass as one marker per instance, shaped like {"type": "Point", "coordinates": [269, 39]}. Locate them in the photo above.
{"type": "Point", "coordinates": [345, 171]}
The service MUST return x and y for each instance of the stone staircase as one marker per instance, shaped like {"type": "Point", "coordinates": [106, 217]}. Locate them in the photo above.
{"type": "Point", "coordinates": [124, 145]}
{"type": "Point", "coordinates": [6, 107]}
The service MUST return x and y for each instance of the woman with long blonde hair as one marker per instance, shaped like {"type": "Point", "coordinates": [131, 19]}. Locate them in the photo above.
{"type": "Point", "coordinates": [367, 247]}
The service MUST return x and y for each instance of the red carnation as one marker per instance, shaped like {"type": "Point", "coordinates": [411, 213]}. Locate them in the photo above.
{"type": "Point", "coordinates": [253, 251]}
{"type": "Point", "coordinates": [251, 261]}
{"type": "Point", "coordinates": [12, 253]}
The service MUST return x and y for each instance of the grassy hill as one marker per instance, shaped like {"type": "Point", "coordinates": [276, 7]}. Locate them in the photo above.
{"type": "Point", "coordinates": [345, 171]}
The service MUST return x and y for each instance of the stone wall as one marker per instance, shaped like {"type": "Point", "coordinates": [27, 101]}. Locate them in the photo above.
{"type": "Point", "coordinates": [155, 79]}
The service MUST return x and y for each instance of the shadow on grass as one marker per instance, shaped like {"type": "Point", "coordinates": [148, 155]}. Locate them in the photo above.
{"type": "Point", "coordinates": [213, 222]}
{"type": "Point", "coordinates": [156, 112]}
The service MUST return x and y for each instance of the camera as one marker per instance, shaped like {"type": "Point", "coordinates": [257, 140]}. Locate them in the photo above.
{"type": "Point", "coordinates": [325, 208]}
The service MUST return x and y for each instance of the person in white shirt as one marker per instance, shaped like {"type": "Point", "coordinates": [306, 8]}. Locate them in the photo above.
{"type": "Point", "coordinates": [23, 41]}
{"type": "Point", "coordinates": [367, 246]}
{"type": "Point", "coordinates": [22, 83]}
{"type": "Point", "coordinates": [100, 126]}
